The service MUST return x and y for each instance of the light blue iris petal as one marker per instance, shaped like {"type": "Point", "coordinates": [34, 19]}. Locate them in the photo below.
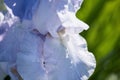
{"type": "Point", "coordinates": [22, 8]}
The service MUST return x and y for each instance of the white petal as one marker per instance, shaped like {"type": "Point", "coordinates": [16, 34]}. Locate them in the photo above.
{"type": "Point", "coordinates": [84, 62]}
{"type": "Point", "coordinates": [1, 17]}
{"type": "Point", "coordinates": [50, 16]}
{"type": "Point", "coordinates": [70, 22]}
{"type": "Point", "coordinates": [77, 66]}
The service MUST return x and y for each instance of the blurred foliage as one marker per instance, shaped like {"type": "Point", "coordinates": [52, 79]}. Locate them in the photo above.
{"type": "Point", "coordinates": [103, 36]}
{"type": "Point", "coordinates": [2, 7]}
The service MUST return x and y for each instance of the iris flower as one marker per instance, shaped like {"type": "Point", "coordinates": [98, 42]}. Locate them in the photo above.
{"type": "Point", "coordinates": [42, 41]}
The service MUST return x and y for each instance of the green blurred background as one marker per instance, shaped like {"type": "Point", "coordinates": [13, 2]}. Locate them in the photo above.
{"type": "Point", "coordinates": [103, 36]}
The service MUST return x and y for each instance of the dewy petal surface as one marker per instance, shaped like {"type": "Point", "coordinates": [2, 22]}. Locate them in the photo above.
{"type": "Point", "coordinates": [44, 41]}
